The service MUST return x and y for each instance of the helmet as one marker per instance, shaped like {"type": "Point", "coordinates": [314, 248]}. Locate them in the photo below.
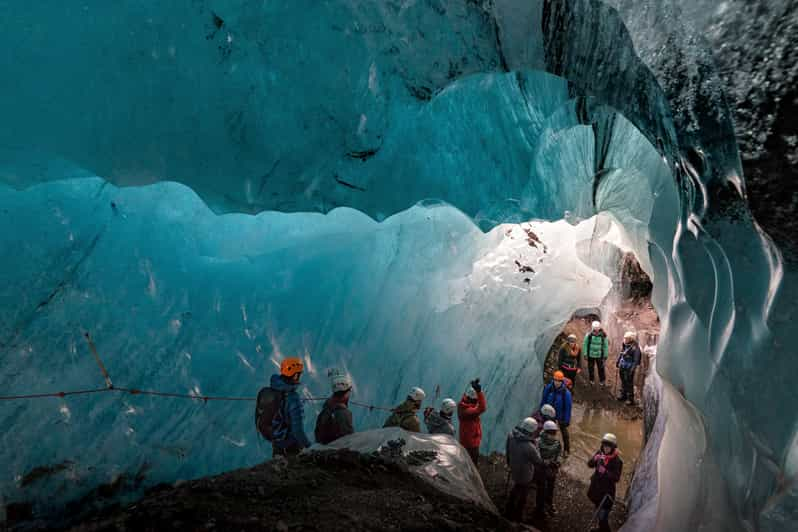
{"type": "Point", "coordinates": [630, 335]}
{"type": "Point", "coordinates": [417, 394]}
{"type": "Point", "coordinates": [448, 406]}
{"type": "Point", "coordinates": [550, 425]}
{"type": "Point", "coordinates": [610, 438]}
{"type": "Point", "coordinates": [572, 338]}
{"type": "Point", "coordinates": [471, 392]}
{"type": "Point", "coordinates": [558, 375]}
{"type": "Point", "coordinates": [291, 366]}
{"type": "Point", "coordinates": [548, 411]}
{"type": "Point", "coordinates": [340, 383]}
{"type": "Point", "coordinates": [528, 426]}
{"type": "Point", "coordinates": [596, 325]}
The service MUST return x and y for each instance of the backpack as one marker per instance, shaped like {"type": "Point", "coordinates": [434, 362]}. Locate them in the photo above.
{"type": "Point", "coordinates": [397, 418]}
{"type": "Point", "coordinates": [327, 426]}
{"type": "Point", "coordinates": [268, 408]}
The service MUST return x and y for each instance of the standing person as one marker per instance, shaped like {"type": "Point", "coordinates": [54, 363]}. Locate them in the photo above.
{"type": "Point", "coordinates": [404, 415]}
{"type": "Point", "coordinates": [557, 395]}
{"type": "Point", "coordinates": [627, 362]}
{"type": "Point", "coordinates": [608, 467]}
{"type": "Point", "coordinates": [523, 458]}
{"type": "Point", "coordinates": [570, 359]}
{"type": "Point", "coordinates": [335, 419]}
{"type": "Point", "coordinates": [546, 413]}
{"type": "Point", "coordinates": [546, 475]}
{"type": "Point", "coordinates": [471, 407]}
{"type": "Point", "coordinates": [441, 422]}
{"type": "Point", "coordinates": [596, 348]}
{"type": "Point", "coordinates": [279, 415]}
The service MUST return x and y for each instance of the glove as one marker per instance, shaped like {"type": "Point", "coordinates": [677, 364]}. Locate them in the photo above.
{"type": "Point", "coordinates": [476, 385]}
{"type": "Point", "coordinates": [428, 411]}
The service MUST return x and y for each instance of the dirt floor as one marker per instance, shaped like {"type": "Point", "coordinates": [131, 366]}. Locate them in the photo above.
{"type": "Point", "coordinates": [329, 491]}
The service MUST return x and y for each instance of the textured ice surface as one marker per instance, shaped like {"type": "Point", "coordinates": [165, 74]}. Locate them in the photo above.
{"type": "Point", "coordinates": [307, 106]}
{"type": "Point", "coordinates": [451, 471]}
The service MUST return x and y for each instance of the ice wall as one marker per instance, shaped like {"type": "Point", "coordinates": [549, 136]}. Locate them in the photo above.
{"type": "Point", "coordinates": [306, 106]}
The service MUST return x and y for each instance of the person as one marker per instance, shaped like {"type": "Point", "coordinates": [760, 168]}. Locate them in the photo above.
{"type": "Point", "coordinates": [546, 475]}
{"type": "Point", "coordinates": [523, 459]}
{"type": "Point", "coordinates": [404, 415]}
{"type": "Point", "coordinates": [544, 414]}
{"type": "Point", "coordinates": [608, 467]}
{"type": "Point", "coordinates": [288, 424]}
{"type": "Point", "coordinates": [557, 395]}
{"type": "Point", "coordinates": [471, 407]}
{"type": "Point", "coordinates": [570, 358]}
{"type": "Point", "coordinates": [441, 422]}
{"type": "Point", "coordinates": [596, 348]}
{"type": "Point", "coordinates": [335, 419]}
{"type": "Point", "coordinates": [627, 363]}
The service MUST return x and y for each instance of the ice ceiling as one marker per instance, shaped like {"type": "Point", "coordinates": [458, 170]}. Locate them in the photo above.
{"type": "Point", "coordinates": [508, 111]}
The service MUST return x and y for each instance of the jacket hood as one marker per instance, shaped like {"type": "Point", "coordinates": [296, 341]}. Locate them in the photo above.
{"type": "Point", "coordinates": [408, 406]}
{"type": "Point", "coordinates": [277, 383]}
{"type": "Point", "coordinates": [521, 436]}
{"type": "Point", "coordinates": [466, 400]}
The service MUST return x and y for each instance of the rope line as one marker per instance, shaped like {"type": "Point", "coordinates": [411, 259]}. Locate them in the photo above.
{"type": "Point", "coordinates": [136, 391]}
{"type": "Point", "coordinates": [109, 387]}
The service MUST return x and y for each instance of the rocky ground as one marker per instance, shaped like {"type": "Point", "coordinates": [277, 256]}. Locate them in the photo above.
{"type": "Point", "coordinates": [329, 491]}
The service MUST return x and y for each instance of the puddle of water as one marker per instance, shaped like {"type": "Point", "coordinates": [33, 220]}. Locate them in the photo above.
{"type": "Point", "coordinates": [588, 425]}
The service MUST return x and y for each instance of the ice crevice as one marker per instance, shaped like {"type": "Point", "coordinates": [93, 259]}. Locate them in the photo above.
{"type": "Point", "coordinates": [354, 181]}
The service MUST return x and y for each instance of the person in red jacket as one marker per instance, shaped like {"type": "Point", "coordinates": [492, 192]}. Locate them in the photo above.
{"type": "Point", "coordinates": [471, 406]}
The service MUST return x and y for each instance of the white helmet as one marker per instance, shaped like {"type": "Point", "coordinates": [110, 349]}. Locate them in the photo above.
{"type": "Point", "coordinates": [610, 438]}
{"type": "Point", "coordinates": [572, 338]}
{"type": "Point", "coordinates": [448, 406]}
{"type": "Point", "coordinates": [471, 392]}
{"type": "Point", "coordinates": [548, 411]}
{"type": "Point", "coordinates": [550, 425]}
{"type": "Point", "coordinates": [630, 335]}
{"type": "Point", "coordinates": [416, 394]}
{"type": "Point", "coordinates": [528, 426]}
{"type": "Point", "coordinates": [341, 383]}
{"type": "Point", "coordinates": [596, 325]}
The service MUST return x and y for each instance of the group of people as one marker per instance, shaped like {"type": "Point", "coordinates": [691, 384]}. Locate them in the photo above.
{"type": "Point", "coordinates": [533, 450]}
{"type": "Point", "coordinates": [595, 348]}
{"type": "Point", "coordinates": [279, 414]}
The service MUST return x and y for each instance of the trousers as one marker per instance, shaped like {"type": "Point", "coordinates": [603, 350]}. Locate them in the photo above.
{"type": "Point", "coordinates": [596, 362]}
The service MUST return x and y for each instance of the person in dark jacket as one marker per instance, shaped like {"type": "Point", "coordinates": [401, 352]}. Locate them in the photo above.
{"type": "Point", "coordinates": [627, 363]}
{"type": "Point", "coordinates": [546, 475]}
{"type": "Point", "coordinates": [441, 422]}
{"type": "Point", "coordinates": [288, 428]}
{"type": "Point", "coordinates": [404, 415]}
{"type": "Point", "coordinates": [471, 407]}
{"type": "Point", "coordinates": [596, 348]}
{"type": "Point", "coordinates": [523, 458]}
{"type": "Point", "coordinates": [557, 395]}
{"type": "Point", "coordinates": [570, 358]}
{"type": "Point", "coordinates": [608, 467]}
{"type": "Point", "coordinates": [335, 419]}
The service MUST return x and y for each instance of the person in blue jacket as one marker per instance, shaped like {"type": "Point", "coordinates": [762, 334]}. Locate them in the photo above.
{"type": "Point", "coordinates": [288, 429]}
{"type": "Point", "coordinates": [557, 395]}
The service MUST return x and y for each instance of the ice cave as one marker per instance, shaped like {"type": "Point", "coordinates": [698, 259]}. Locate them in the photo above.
{"type": "Point", "coordinates": [416, 191]}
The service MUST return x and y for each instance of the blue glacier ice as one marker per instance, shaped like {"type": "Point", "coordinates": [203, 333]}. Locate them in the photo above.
{"type": "Point", "coordinates": [208, 187]}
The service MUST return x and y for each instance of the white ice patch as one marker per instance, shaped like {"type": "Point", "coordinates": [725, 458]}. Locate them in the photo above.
{"type": "Point", "coordinates": [452, 471]}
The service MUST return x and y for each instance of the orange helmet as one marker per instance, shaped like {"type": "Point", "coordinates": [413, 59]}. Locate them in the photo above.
{"type": "Point", "coordinates": [558, 375]}
{"type": "Point", "coordinates": [290, 367]}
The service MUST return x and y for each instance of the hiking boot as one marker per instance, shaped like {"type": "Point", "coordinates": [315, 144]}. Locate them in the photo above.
{"type": "Point", "coordinates": [602, 385]}
{"type": "Point", "coordinates": [621, 398]}
{"type": "Point", "coordinates": [630, 402]}
{"type": "Point", "coordinates": [591, 383]}
{"type": "Point", "coordinates": [565, 454]}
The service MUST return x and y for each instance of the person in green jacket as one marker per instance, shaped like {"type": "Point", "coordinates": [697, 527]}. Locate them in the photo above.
{"type": "Point", "coordinates": [405, 415]}
{"type": "Point", "coordinates": [596, 348]}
